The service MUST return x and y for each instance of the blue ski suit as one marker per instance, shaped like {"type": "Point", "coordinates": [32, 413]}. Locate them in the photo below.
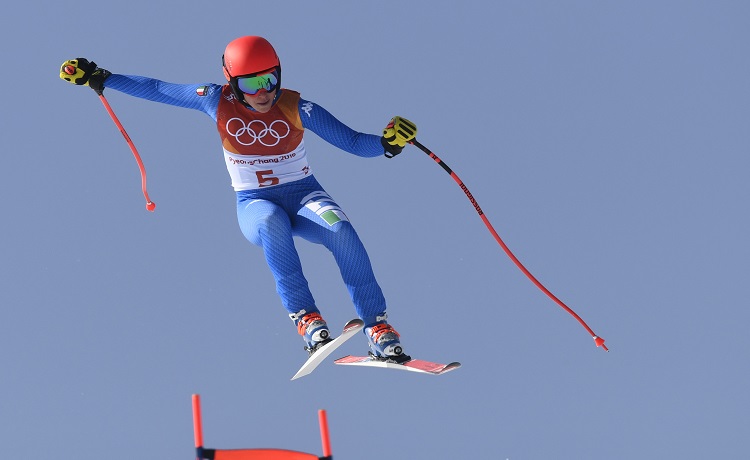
{"type": "Point", "coordinates": [277, 195]}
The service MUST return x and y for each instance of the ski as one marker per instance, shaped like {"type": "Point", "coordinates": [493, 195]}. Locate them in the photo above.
{"type": "Point", "coordinates": [414, 365]}
{"type": "Point", "coordinates": [350, 328]}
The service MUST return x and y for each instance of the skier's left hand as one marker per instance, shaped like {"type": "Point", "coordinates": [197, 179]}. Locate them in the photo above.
{"type": "Point", "coordinates": [396, 135]}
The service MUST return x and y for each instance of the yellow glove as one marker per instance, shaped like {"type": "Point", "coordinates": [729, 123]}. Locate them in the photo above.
{"type": "Point", "coordinates": [84, 72]}
{"type": "Point", "coordinates": [396, 135]}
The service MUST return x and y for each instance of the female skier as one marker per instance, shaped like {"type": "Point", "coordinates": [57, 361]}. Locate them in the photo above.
{"type": "Point", "coordinates": [261, 127]}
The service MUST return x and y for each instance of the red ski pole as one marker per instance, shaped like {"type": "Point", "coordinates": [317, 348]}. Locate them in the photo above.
{"type": "Point", "coordinates": [150, 205]}
{"type": "Point", "coordinates": [597, 340]}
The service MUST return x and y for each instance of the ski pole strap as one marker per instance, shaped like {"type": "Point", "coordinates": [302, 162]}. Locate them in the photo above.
{"type": "Point", "coordinates": [598, 341]}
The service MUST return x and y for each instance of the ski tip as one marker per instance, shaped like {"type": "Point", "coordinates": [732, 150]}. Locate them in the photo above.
{"type": "Point", "coordinates": [301, 373]}
{"type": "Point", "coordinates": [450, 367]}
{"type": "Point", "coordinates": [600, 343]}
{"type": "Point", "coordinates": [354, 324]}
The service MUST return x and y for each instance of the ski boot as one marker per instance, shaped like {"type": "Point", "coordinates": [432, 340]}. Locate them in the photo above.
{"type": "Point", "coordinates": [313, 329]}
{"type": "Point", "coordinates": [384, 342]}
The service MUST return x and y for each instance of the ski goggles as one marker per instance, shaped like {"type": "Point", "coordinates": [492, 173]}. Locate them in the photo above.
{"type": "Point", "coordinates": [253, 84]}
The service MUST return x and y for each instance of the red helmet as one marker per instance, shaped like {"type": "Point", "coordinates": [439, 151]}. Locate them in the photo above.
{"type": "Point", "coordinates": [246, 56]}
{"type": "Point", "coordinates": [249, 55]}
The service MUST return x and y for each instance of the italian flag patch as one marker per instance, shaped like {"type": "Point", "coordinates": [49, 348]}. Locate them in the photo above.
{"type": "Point", "coordinates": [202, 90]}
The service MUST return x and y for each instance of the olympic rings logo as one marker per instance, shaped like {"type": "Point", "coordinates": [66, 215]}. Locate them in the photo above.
{"type": "Point", "coordinates": [257, 130]}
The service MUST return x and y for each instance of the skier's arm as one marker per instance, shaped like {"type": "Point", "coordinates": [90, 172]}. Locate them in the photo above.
{"type": "Point", "coordinates": [168, 93]}
{"type": "Point", "coordinates": [329, 128]}
{"type": "Point", "coordinates": [203, 97]}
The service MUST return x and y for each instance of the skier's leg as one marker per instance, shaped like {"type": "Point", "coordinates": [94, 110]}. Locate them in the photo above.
{"type": "Point", "coordinates": [321, 220]}
{"type": "Point", "coordinates": [265, 224]}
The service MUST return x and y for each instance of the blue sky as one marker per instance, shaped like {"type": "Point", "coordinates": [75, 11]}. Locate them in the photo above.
{"type": "Point", "coordinates": [607, 142]}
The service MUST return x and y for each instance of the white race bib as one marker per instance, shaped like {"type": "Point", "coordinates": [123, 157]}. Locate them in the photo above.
{"type": "Point", "coordinates": [250, 172]}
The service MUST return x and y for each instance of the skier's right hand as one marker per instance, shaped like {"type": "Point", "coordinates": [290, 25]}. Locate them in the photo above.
{"type": "Point", "coordinates": [81, 71]}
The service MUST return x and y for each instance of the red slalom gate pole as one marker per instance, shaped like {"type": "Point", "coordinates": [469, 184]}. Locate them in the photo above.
{"type": "Point", "coordinates": [150, 205]}
{"type": "Point", "coordinates": [324, 436]}
{"type": "Point", "coordinates": [597, 340]}
{"type": "Point", "coordinates": [197, 426]}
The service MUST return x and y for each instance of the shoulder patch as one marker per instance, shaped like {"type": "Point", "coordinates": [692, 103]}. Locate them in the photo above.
{"type": "Point", "coordinates": [307, 107]}
{"type": "Point", "coordinates": [201, 90]}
